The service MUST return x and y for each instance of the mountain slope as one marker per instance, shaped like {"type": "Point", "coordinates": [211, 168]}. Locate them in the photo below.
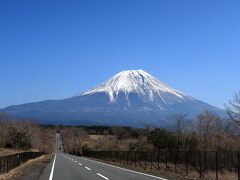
{"type": "Point", "coordinates": [148, 88]}
{"type": "Point", "coordinates": [133, 98]}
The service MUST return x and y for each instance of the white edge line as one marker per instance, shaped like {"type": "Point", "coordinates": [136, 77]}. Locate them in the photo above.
{"type": "Point", "coordinates": [102, 176]}
{"type": "Point", "coordinates": [125, 169]}
{"type": "Point", "coordinates": [51, 174]}
{"type": "Point", "coordinates": [80, 164]}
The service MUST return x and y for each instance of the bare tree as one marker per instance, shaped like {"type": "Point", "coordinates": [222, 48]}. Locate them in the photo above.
{"type": "Point", "coordinates": [79, 135]}
{"type": "Point", "coordinates": [233, 109]}
{"type": "Point", "coordinates": [178, 124]}
{"type": "Point", "coordinates": [3, 129]}
{"type": "Point", "coordinates": [73, 139]}
{"type": "Point", "coordinates": [206, 127]}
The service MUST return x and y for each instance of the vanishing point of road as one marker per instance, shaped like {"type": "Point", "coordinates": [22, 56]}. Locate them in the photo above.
{"type": "Point", "coordinates": [69, 167]}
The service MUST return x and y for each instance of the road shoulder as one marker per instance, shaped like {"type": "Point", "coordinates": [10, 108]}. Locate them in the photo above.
{"type": "Point", "coordinates": [31, 170]}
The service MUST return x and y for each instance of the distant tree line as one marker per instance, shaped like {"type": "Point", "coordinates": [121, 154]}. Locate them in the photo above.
{"type": "Point", "coordinates": [206, 132]}
{"type": "Point", "coordinates": [25, 135]}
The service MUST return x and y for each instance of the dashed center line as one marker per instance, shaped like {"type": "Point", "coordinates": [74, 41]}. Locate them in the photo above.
{"type": "Point", "coordinates": [104, 177]}
{"type": "Point", "coordinates": [87, 168]}
{"type": "Point", "coordinates": [100, 175]}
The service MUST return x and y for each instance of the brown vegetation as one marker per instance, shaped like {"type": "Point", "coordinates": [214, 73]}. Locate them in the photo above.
{"type": "Point", "coordinates": [233, 108]}
{"type": "Point", "coordinates": [207, 132]}
{"type": "Point", "coordinates": [199, 138]}
{"type": "Point", "coordinates": [16, 136]}
{"type": "Point", "coordinates": [32, 169]}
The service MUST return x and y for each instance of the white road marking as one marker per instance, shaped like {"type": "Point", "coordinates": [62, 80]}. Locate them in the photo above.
{"type": "Point", "coordinates": [124, 169]}
{"type": "Point", "coordinates": [51, 174]}
{"type": "Point", "coordinates": [75, 161]}
{"type": "Point", "coordinates": [87, 168]}
{"type": "Point", "coordinates": [80, 164]}
{"type": "Point", "coordinates": [102, 176]}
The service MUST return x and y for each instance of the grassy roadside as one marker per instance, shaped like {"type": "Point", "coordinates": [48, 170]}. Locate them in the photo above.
{"type": "Point", "coordinates": [5, 151]}
{"type": "Point", "coordinates": [161, 172]}
{"type": "Point", "coordinates": [170, 175]}
{"type": "Point", "coordinates": [32, 169]}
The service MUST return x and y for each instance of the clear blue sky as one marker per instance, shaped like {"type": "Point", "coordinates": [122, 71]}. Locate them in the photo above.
{"type": "Point", "coordinates": [56, 49]}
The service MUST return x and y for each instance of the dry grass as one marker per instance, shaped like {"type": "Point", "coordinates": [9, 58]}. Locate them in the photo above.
{"type": "Point", "coordinates": [18, 171]}
{"type": "Point", "coordinates": [111, 142]}
{"type": "Point", "coordinates": [97, 137]}
{"type": "Point", "coordinates": [226, 175]}
{"type": "Point", "coordinates": [160, 172]}
{"type": "Point", "coordinates": [170, 171]}
{"type": "Point", "coordinates": [194, 174]}
{"type": "Point", "coordinates": [4, 151]}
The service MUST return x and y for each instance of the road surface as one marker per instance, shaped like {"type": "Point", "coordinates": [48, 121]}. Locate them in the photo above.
{"type": "Point", "coordinates": [68, 167]}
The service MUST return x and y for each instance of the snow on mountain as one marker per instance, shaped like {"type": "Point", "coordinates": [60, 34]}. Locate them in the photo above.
{"type": "Point", "coordinates": [129, 98]}
{"type": "Point", "coordinates": [146, 86]}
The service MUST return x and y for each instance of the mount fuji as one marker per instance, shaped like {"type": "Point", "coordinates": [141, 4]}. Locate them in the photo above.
{"type": "Point", "coordinates": [130, 98]}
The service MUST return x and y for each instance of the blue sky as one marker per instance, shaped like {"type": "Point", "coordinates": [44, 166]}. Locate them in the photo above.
{"type": "Point", "coordinates": [56, 49]}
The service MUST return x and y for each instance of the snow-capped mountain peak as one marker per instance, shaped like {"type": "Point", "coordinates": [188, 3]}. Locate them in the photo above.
{"type": "Point", "coordinates": [130, 98]}
{"type": "Point", "coordinates": [139, 82]}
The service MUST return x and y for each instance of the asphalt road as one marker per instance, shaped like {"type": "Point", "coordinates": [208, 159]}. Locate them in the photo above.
{"type": "Point", "coordinates": [68, 167]}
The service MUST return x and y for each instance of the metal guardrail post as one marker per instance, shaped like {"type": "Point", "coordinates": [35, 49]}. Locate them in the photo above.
{"type": "Point", "coordinates": [120, 155]}
{"type": "Point", "coordinates": [11, 161]}
{"type": "Point", "coordinates": [145, 159]}
{"type": "Point", "coordinates": [200, 163]}
{"type": "Point", "coordinates": [7, 163]}
{"type": "Point", "coordinates": [216, 161]}
{"type": "Point", "coordinates": [166, 160]}
{"type": "Point", "coordinates": [205, 160]}
{"type": "Point", "coordinates": [187, 168]}
{"type": "Point", "coordinates": [131, 158]}
{"type": "Point", "coordinates": [135, 154]}
{"type": "Point", "coordinates": [238, 157]}
{"type": "Point", "coordinates": [0, 164]}
{"type": "Point", "coordinates": [175, 161]}
{"type": "Point", "coordinates": [151, 159]}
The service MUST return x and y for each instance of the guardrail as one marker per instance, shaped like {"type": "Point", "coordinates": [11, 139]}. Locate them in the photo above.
{"type": "Point", "coordinates": [11, 161]}
{"type": "Point", "coordinates": [182, 162]}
